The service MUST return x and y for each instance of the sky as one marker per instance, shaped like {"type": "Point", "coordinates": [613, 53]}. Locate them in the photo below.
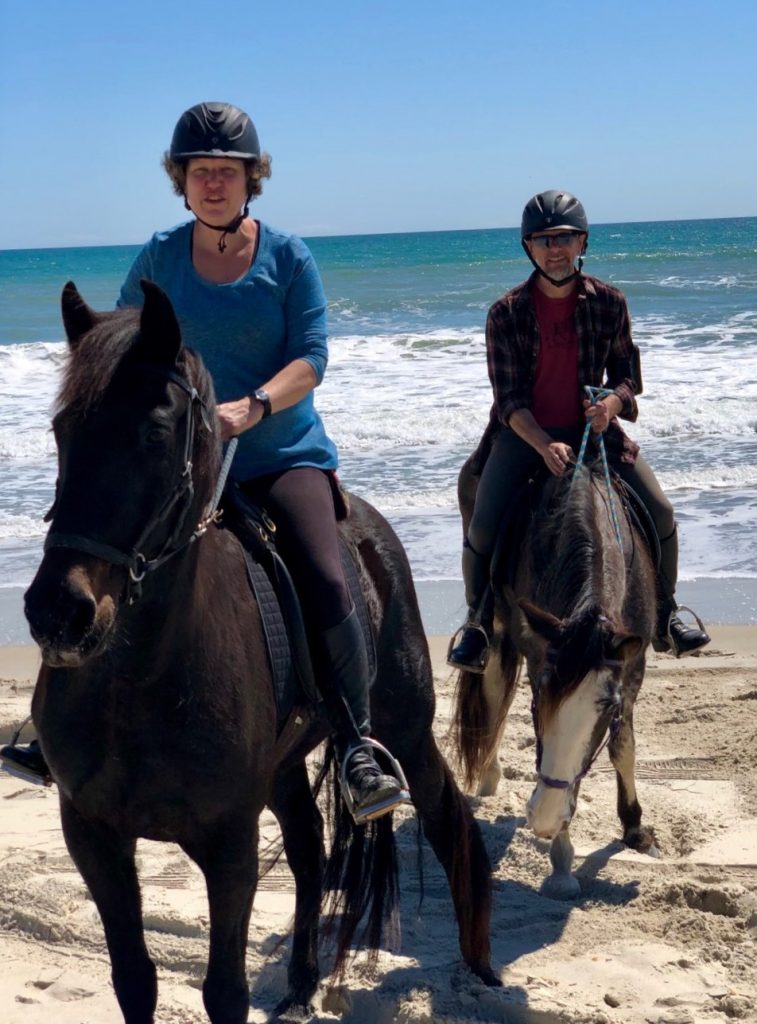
{"type": "Point", "coordinates": [385, 116]}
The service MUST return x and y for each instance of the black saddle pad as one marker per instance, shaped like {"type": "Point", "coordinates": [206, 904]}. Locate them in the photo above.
{"type": "Point", "coordinates": [280, 610]}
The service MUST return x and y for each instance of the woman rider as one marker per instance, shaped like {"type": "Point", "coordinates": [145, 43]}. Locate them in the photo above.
{"type": "Point", "coordinates": [249, 299]}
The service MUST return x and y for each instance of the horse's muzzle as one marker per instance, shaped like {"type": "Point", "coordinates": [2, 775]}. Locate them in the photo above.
{"type": "Point", "coordinates": [65, 617]}
{"type": "Point", "coordinates": [549, 810]}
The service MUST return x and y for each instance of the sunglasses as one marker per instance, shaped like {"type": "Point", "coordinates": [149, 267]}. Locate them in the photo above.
{"type": "Point", "coordinates": [562, 241]}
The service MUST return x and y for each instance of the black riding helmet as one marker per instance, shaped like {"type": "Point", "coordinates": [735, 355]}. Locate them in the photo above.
{"type": "Point", "coordinates": [550, 210]}
{"type": "Point", "coordinates": [216, 130]}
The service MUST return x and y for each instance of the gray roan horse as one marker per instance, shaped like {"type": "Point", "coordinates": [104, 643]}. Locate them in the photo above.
{"type": "Point", "coordinates": [579, 607]}
{"type": "Point", "coordinates": [156, 713]}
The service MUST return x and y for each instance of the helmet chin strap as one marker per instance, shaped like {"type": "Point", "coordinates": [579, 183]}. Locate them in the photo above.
{"type": "Point", "coordinates": [229, 229]}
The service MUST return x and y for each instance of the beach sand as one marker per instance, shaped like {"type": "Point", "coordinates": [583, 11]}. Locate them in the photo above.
{"type": "Point", "coordinates": [669, 941]}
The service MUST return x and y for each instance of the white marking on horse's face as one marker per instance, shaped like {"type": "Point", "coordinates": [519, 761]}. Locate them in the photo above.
{"type": "Point", "coordinates": [565, 750]}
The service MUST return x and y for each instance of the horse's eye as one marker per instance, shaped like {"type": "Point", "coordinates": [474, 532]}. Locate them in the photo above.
{"type": "Point", "coordinates": [155, 436]}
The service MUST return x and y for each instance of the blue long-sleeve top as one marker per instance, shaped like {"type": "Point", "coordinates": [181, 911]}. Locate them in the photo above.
{"type": "Point", "coordinates": [246, 331]}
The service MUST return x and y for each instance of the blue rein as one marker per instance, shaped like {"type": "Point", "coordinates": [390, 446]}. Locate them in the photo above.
{"type": "Point", "coordinates": [593, 394]}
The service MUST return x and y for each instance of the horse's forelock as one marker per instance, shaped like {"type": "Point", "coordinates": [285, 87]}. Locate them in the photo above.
{"type": "Point", "coordinates": [580, 650]}
{"type": "Point", "coordinates": [93, 363]}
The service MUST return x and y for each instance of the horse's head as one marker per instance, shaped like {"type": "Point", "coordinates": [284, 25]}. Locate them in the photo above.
{"type": "Point", "coordinates": [576, 680]}
{"type": "Point", "coordinates": [137, 458]}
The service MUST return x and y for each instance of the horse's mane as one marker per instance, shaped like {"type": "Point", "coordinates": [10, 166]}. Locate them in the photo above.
{"type": "Point", "coordinates": [564, 543]}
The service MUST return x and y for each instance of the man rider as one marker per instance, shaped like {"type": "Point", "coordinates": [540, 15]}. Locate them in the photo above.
{"type": "Point", "coordinates": [546, 339]}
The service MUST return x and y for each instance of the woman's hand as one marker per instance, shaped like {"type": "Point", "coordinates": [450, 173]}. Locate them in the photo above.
{"type": "Point", "coordinates": [237, 416]}
{"type": "Point", "coordinates": [600, 414]}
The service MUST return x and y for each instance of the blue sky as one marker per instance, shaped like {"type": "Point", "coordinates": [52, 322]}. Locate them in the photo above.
{"type": "Point", "coordinates": [398, 115]}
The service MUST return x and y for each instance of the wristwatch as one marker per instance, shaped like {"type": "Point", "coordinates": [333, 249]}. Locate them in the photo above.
{"type": "Point", "coordinates": [265, 400]}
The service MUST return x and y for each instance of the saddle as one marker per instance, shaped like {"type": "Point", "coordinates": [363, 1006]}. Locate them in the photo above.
{"type": "Point", "coordinates": [274, 591]}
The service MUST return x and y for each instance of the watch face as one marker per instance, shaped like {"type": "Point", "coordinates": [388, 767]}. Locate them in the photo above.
{"type": "Point", "coordinates": [263, 397]}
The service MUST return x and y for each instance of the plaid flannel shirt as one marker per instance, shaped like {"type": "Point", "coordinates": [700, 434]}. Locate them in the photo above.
{"type": "Point", "coordinates": [607, 356]}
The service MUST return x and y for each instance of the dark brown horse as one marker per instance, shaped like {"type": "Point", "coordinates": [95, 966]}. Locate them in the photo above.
{"type": "Point", "coordinates": [579, 608]}
{"type": "Point", "coordinates": [154, 706]}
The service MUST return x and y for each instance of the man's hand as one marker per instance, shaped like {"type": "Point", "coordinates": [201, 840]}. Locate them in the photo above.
{"type": "Point", "coordinates": [600, 414]}
{"type": "Point", "coordinates": [557, 457]}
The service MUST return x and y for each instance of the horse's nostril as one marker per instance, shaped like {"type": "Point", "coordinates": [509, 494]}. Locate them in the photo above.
{"type": "Point", "coordinates": [61, 614]}
{"type": "Point", "coordinates": [81, 617]}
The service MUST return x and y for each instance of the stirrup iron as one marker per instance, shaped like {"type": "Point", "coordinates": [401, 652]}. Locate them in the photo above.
{"type": "Point", "coordinates": [361, 815]}
{"type": "Point", "coordinates": [483, 659]}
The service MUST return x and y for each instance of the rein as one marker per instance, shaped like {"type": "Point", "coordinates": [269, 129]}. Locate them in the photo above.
{"type": "Point", "coordinates": [135, 561]}
{"type": "Point", "coordinates": [593, 394]}
{"type": "Point", "coordinates": [612, 733]}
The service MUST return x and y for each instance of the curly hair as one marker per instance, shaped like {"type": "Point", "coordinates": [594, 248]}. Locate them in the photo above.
{"type": "Point", "coordinates": [256, 170]}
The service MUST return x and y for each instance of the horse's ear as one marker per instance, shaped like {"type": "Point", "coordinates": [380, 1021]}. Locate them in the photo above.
{"type": "Point", "coordinates": [78, 318]}
{"type": "Point", "coordinates": [161, 337]}
{"type": "Point", "coordinates": [541, 622]}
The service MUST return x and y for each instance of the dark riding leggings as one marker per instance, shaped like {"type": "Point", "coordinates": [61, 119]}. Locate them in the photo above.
{"type": "Point", "coordinates": [509, 465]}
{"type": "Point", "coordinates": [301, 503]}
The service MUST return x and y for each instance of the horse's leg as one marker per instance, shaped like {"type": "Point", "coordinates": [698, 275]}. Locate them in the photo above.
{"type": "Point", "coordinates": [454, 835]}
{"type": "Point", "coordinates": [302, 829]}
{"type": "Point", "coordinates": [561, 884]}
{"type": "Point", "coordinates": [498, 688]}
{"type": "Point", "coordinates": [623, 756]}
{"type": "Point", "coordinates": [228, 857]}
{"type": "Point", "coordinates": [106, 863]}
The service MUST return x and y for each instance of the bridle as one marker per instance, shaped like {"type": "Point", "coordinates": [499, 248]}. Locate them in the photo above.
{"type": "Point", "coordinates": [135, 561]}
{"type": "Point", "coordinates": [613, 729]}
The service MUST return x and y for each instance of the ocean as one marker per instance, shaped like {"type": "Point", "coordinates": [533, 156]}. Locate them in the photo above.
{"type": "Point", "coordinates": [406, 395]}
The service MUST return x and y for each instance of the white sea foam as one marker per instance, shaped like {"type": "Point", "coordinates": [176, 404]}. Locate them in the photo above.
{"type": "Point", "coordinates": [21, 527]}
{"type": "Point", "coordinates": [405, 409]}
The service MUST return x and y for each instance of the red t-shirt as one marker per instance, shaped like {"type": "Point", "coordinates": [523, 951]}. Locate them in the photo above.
{"type": "Point", "coordinates": [555, 395]}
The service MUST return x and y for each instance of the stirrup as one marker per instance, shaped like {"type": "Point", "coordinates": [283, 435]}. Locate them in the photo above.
{"type": "Point", "coordinates": [479, 666]}
{"type": "Point", "coordinates": [20, 771]}
{"type": "Point", "coordinates": [666, 643]}
{"type": "Point", "coordinates": [386, 804]}
{"type": "Point", "coordinates": [25, 775]}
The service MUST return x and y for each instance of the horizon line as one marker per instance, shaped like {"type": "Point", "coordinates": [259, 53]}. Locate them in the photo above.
{"type": "Point", "coordinates": [384, 234]}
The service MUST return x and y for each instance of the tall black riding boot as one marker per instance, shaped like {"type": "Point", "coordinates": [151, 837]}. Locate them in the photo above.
{"type": "Point", "coordinates": [368, 791]}
{"type": "Point", "coordinates": [469, 647]}
{"type": "Point", "coordinates": [673, 634]}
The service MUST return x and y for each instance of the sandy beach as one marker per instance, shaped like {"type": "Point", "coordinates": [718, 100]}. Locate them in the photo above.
{"type": "Point", "coordinates": [669, 941]}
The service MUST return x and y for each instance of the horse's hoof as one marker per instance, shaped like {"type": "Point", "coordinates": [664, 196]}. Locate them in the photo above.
{"type": "Point", "coordinates": [489, 781]}
{"type": "Point", "coordinates": [561, 887]}
{"type": "Point", "coordinates": [487, 975]}
{"type": "Point", "coordinates": [643, 840]}
{"type": "Point", "coordinates": [290, 1012]}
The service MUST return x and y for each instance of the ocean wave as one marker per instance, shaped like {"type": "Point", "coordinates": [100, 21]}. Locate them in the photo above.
{"type": "Point", "coordinates": [21, 527]}
{"type": "Point", "coordinates": [708, 478]}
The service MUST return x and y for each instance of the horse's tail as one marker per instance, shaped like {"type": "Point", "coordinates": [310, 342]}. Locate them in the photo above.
{"type": "Point", "coordinates": [468, 870]}
{"type": "Point", "coordinates": [361, 883]}
{"type": "Point", "coordinates": [481, 706]}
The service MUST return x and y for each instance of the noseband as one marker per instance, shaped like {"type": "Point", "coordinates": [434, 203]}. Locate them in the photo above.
{"type": "Point", "coordinates": [612, 731]}
{"type": "Point", "coordinates": [135, 561]}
